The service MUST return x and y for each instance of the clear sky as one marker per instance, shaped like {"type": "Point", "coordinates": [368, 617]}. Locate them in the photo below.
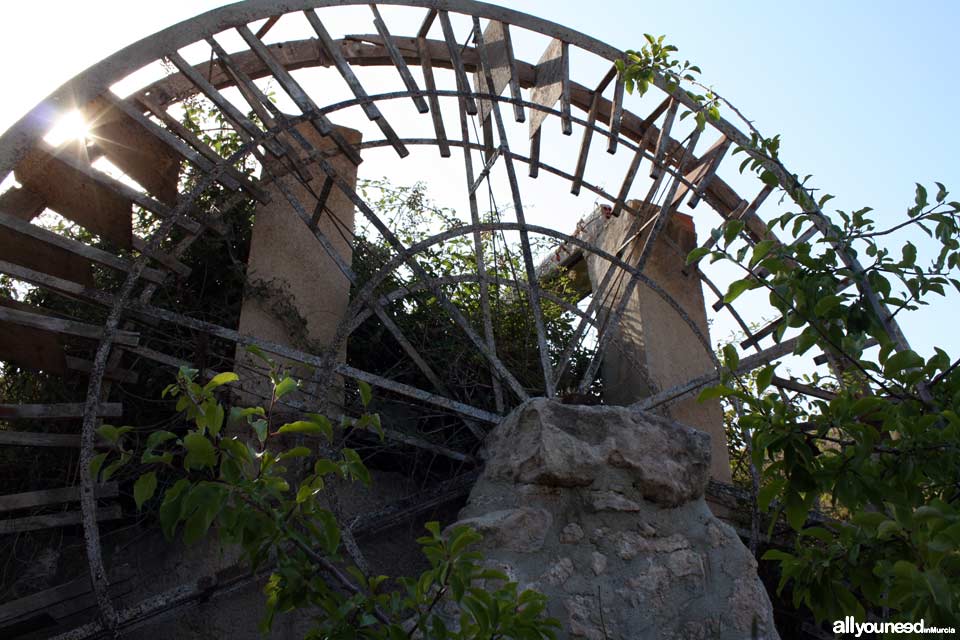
{"type": "Point", "coordinates": [864, 93]}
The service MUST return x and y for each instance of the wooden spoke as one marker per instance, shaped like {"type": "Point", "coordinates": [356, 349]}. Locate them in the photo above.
{"type": "Point", "coordinates": [426, 65]}
{"type": "Point", "coordinates": [398, 61]}
{"type": "Point", "coordinates": [463, 84]}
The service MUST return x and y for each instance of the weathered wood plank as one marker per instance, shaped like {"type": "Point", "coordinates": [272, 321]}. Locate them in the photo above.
{"type": "Point", "coordinates": [66, 519]}
{"type": "Point", "coordinates": [32, 348]}
{"type": "Point", "coordinates": [56, 411]}
{"type": "Point", "coordinates": [297, 94]}
{"type": "Point", "coordinates": [74, 196]}
{"type": "Point", "coordinates": [35, 439]}
{"type": "Point", "coordinates": [60, 325]}
{"type": "Point", "coordinates": [22, 203]}
{"type": "Point", "coordinates": [616, 116]}
{"type": "Point", "coordinates": [134, 150]}
{"type": "Point", "coordinates": [42, 256]}
{"type": "Point", "coordinates": [165, 259]}
{"type": "Point", "coordinates": [552, 83]}
{"type": "Point", "coordinates": [585, 146]}
{"type": "Point", "coordinates": [398, 60]}
{"type": "Point", "coordinates": [426, 65]}
{"type": "Point", "coordinates": [501, 66]}
{"type": "Point", "coordinates": [86, 251]}
{"type": "Point", "coordinates": [31, 499]}
{"type": "Point", "coordinates": [117, 375]}
{"type": "Point", "coordinates": [453, 47]}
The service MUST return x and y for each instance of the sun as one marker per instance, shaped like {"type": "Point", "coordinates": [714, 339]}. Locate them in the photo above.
{"type": "Point", "coordinates": [69, 127]}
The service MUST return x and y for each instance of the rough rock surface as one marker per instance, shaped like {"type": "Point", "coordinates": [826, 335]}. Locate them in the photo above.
{"type": "Point", "coordinates": [601, 508]}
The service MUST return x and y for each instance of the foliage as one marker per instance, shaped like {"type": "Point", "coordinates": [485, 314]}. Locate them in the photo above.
{"type": "Point", "coordinates": [260, 485]}
{"type": "Point", "coordinates": [880, 457]}
{"type": "Point", "coordinates": [413, 217]}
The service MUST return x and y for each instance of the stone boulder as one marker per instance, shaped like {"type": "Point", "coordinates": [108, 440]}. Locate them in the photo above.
{"type": "Point", "coordinates": [601, 508]}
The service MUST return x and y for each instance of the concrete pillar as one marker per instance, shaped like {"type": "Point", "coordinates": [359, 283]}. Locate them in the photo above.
{"type": "Point", "coordinates": [295, 294]}
{"type": "Point", "coordinates": [651, 344]}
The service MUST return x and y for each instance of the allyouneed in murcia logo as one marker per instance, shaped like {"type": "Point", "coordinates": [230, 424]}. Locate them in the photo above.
{"type": "Point", "coordinates": [850, 626]}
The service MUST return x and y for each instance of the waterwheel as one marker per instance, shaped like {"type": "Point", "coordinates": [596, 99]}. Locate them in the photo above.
{"type": "Point", "coordinates": [106, 243]}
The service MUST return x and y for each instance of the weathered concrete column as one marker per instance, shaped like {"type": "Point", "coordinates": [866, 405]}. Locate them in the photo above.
{"type": "Point", "coordinates": [295, 294]}
{"type": "Point", "coordinates": [651, 343]}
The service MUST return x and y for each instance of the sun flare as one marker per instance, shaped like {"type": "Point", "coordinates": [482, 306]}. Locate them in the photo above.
{"type": "Point", "coordinates": [70, 126]}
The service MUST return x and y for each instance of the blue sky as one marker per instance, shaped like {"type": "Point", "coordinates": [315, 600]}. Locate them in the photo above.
{"type": "Point", "coordinates": [864, 93]}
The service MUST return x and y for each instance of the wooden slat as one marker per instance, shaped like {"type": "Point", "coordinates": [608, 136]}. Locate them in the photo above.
{"type": "Point", "coordinates": [518, 112]}
{"type": "Point", "coordinates": [74, 196]}
{"type": "Point", "coordinates": [398, 60]}
{"type": "Point", "coordinates": [616, 116]}
{"type": "Point", "coordinates": [66, 327]}
{"type": "Point", "coordinates": [35, 439]}
{"type": "Point", "coordinates": [373, 113]}
{"type": "Point", "coordinates": [577, 181]}
{"type": "Point", "coordinates": [427, 23]}
{"type": "Point", "coordinates": [501, 65]}
{"type": "Point", "coordinates": [56, 411]}
{"type": "Point", "coordinates": [297, 94]}
{"type": "Point", "coordinates": [69, 518]}
{"type": "Point", "coordinates": [552, 83]}
{"type": "Point", "coordinates": [453, 47]}
{"type": "Point", "coordinates": [166, 137]}
{"type": "Point", "coordinates": [426, 65]}
{"type": "Point", "coordinates": [629, 177]}
{"type": "Point", "coordinates": [534, 169]}
{"type": "Point", "coordinates": [86, 251]}
{"type": "Point", "coordinates": [60, 601]}
{"type": "Point", "coordinates": [246, 129]}
{"type": "Point", "coordinates": [32, 348]}
{"type": "Point", "coordinates": [664, 138]}
{"type": "Point", "coordinates": [117, 375]}
{"type": "Point", "coordinates": [132, 148]}
{"type": "Point", "coordinates": [22, 203]}
{"type": "Point", "coordinates": [42, 256]}
{"type": "Point", "coordinates": [231, 176]}
{"type": "Point", "coordinates": [31, 499]}
{"type": "Point", "coordinates": [165, 259]}
{"type": "Point", "coordinates": [714, 156]}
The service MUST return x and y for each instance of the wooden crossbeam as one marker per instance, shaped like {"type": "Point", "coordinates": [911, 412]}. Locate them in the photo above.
{"type": "Point", "coordinates": [230, 177]}
{"type": "Point", "coordinates": [368, 106]}
{"type": "Point", "coordinates": [659, 156]}
{"type": "Point", "coordinates": [71, 194]}
{"type": "Point", "coordinates": [134, 149]}
{"type": "Point", "coordinates": [65, 327]}
{"type": "Point", "coordinates": [398, 60]}
{"type": "Point", "coordinates": [56, 520]}
{"type": "Point", "coordinates": [22, 228]}
{"type": "Point", "coordinates": [453, 47]}
{"type": "Point", "coordinates": [33, 253]}
{"type": "Point", "coordinates": [426, 65]}
{"type": "Point", "coordinates": [56, 411]}
{"type": "Point", "coordinates": [293, 89]}
{"type": "Point", "coordinates": [173, 142]}
{"type": "Point", "coordinates": [552, 84]}
{"type": "Point", "coordinates": [31, 499]}
{"type": "Point", "coordinates": [35, 439]}
{"type": "Point", "coordinates": [22, 203]}
{"type": "Point", "coordinates": [585, 146]}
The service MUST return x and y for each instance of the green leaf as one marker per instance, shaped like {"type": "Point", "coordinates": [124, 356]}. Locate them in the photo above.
{"type": "Point", "coordinates": [221, 379]}
{"type": "Point", "coordinates": [769, 178]}
{"type": "Point", "coordinates": [696, 254]}
{"type": "Point", "coordinates": [296, 452]}
{"type": "Point", "coordinates": [737, 287]}
{"type": "Point", "coordinates": [730, 231]}
{"type": "Point", "coordinates": [901, 361]}
{"type": "Point", "coordinates": [144, 488]}
{"type": "Point", "coordinates": [200, 452]}
{"type": "Point", "coordinates": [366, 393]}
{"type": "Point", "coordinates": [158, 437]}
{"type": "Point", "coordinates": [760, 251]}
{"type": "Point", "coordinates": [285, 386]}
{"type": "Point", "coordinates": [826, 303]}
{"type": "Point", "coordinates": [711, 393]}
{"type": "Point", "coordinates": [96, 463]}
{"type": "Point", "coordinates": [307, 426]}
{"type": "Point", "coordinates": [260, 428]}
{"type": "Point", "coordinates": [731, 359]}
{"type": "Point", "coordinates": [764, 378]}
{"type": "Point", "coordinates": [887, 529]}
{"type": "Point", "coordinates": [111, 433]}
